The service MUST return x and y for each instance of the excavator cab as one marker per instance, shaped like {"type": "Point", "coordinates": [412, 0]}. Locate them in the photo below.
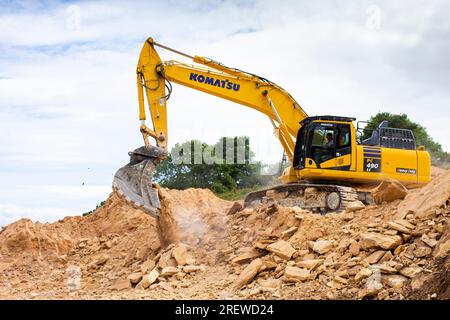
{"type": "Point", "coordinates": [324, 142]}
{"type": "Point", "coordinates": [327, 149]}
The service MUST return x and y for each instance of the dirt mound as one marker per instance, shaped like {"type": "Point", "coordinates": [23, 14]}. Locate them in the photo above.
{"type": "Point", "coordinates": [388, 191]}
{"type": "Point", "coordinates": [199, 248]}
{"type": "Point", "coordinates": [422, 201]}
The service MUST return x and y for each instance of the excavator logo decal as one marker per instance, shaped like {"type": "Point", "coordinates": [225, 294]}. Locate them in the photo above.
{"type": "Point", "coordinates": [226, 84]}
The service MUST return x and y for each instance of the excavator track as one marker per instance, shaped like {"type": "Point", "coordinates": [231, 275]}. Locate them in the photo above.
{"type": "Point", "coordinates": [321, 198]}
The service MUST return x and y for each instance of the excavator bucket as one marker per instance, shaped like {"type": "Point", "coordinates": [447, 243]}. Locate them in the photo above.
{"type": "Point", "coordinates": [134, 180]}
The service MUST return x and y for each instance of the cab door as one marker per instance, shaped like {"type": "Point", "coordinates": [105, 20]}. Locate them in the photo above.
{"type": "Point", "coordinates": [343, 159]}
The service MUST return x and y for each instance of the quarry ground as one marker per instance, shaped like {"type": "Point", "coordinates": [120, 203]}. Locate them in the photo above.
{"type": "Point", "coordinates": [393, 250]}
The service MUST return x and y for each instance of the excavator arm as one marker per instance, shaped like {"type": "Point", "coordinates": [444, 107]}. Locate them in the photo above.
{"type": "Point", "coordinates": [209, 76]}
{"type": "Point", "coordinates": [154, 78]}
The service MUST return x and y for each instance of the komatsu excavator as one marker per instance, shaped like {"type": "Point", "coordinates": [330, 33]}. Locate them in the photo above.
{"type": "Point", "coordinates": [327, 153]}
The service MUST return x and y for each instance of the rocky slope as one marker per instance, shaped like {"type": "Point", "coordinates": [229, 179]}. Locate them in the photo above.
{"type": "Point", "coordinates": [392, 250]}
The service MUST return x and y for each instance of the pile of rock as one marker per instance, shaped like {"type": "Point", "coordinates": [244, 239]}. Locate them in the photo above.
{"type": "Point", "coordinates": [380, 257]}
{"type": "Point", "coordinates": [171, 264]}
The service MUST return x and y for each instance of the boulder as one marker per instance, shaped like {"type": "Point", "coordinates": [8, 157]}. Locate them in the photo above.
{"type": "Point", "coordinates": [270, 283]}
{"type": "Point", "coordinates": [388, 191]}
{"type": "Point", "coordinates": [428, 241]}
{"type": "Point", "coordinates": [248, 256]}
{"type": "Point", "coordinates": [282, 249]}
{"type": "Point", "coordinates": [147, 265]}
{"type": "Point", "coordinates": [322, 246]}
{"type": "Point", "coordinates": [354, 248]}
{"type": "Point", "coordinates": [289, 232]}
{"type": "Point", "coordinates": [148, 279]}
{"type": "Point", "coordinates": [166, 260]}
{"type": "Point", "coordinates": [398, 227]}
{"type": "Point", "coordinates": [395, 281]}
{"type": "Point", "coordinates": [378, 240]}
{"type": "Point", "coordinates": [179, 253]}
{"type": "Point", "coordinates": [363, 273]}
{"type": "Point", "coordinates": [248, 273]}
{"type": "Point", "coordinates": [121, 284]}
{"type": "Point", "coordinates": [315, 234]}
{"type": "Point", "coordinates": [354, 206]}
{"type": "Point", "coordinates": [410, 272]}
{"type": "Point", "coordinates": [135, 277]}
{"type": "Point", "coordinates": [386, 257]}
{"type": "Point", "coordinates": [191, 268]}
{"type": "Point", "coordinates": [296, 274]}
{"type": "Point", "coordinates": [309, 264]}
{"type": "Point", "coordinates": [422, 251]}
{"type": "Point", "coordinates": [442, 248]}
{"type": "Point", "coordinates": [385, 268]}
{"type": "Point", "coordinates": [169, 271]}
{"type": "Point", "coordinates": [100, 260]}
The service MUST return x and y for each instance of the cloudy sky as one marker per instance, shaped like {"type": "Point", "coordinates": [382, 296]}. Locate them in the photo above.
{"type": "Point", "coordinates": [68, 102]}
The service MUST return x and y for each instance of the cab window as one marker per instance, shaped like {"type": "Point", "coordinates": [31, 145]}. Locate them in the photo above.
{"type": "Point", "coordinates": [322, 136]}
{"type": "Point", "coordinates": [323, 143]}
{"type": "Point", "coordinates": [343, 146]}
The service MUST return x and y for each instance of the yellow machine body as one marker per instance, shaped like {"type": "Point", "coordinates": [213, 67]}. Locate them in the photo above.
{"type": "Point", "coordinates": [357, 165]}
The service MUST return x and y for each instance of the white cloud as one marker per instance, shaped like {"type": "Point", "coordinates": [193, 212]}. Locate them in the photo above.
{"type": "Point", "coordinates": [68, 93]}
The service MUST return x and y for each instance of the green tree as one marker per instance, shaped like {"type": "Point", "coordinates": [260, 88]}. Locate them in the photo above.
{"type": "Point", "coordinates": [403, 122]}
{"type": "Point", "coordinates": [224, 167]}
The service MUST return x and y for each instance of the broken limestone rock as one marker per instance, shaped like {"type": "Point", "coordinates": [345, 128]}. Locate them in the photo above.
{"type": "Point", "coordinates": [247, 256]}
{"type": "Point", "coordinates": [354, 248]}
{"type": "Point", "coordinates": [410, 272]}
{"type": "Point", "coordinates": [147, 265]}
{"type": "Point", "coordinates": [388, 191]}
{"type": "Point", "coordinates": [354, 206]}
{"type": "Point", "coordinates": [296, 274]}
{"type": "Point", "coordinates": [309, 264]}
{"type": "Point", "coordinates": [398, 227]}
{"type": "Point", "coordinates": [179, 253]}
{"type": "Point", "coordinates": [166, 260]}
{"type": "Point", "coordinates": [369, 292]}
{"type": "Point", "coordinates": [442, 248]}
{"type": "Point", "coordinates": [281, 248]}
{"type": "Point", "coordinates": [395, 281]}
{"type": "Point", "coordinates": [421, 252]}
{"type": "Point", "coordinates": [270, 283]}
{"type": "Point", "coordinates": [169, 271]}
{"type": "Point", "coordinates": [148, 279]}
{"type": "Point", "coordinates": [315, 234]}
{"type": "Point", "coordinates": [135, 277]}
{"type": "Point", "coordinates": [363, 273]}
{"type": "Point", "coordinates": [191, 268]}
{"type": "Point", "coordinates": [100, 260]}
{"type": "Point", "coordinates": [121, 284]}
{"type": "Point", "coordinates": [386, 257]}
{"type": "Point", "coordinates": [322, 246]}
{"type": "Point", "coordinates": [289, 232]}
{"type": "Point", "coordinates": [428, 241]}
{"type": "Point", "coordinates": [378, 240]}
{"type": "Point", "coordinates": [248, 273]}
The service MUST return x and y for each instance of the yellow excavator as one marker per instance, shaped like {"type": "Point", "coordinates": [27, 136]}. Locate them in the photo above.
{"type": "Point", "coordinates": [327, 154]}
